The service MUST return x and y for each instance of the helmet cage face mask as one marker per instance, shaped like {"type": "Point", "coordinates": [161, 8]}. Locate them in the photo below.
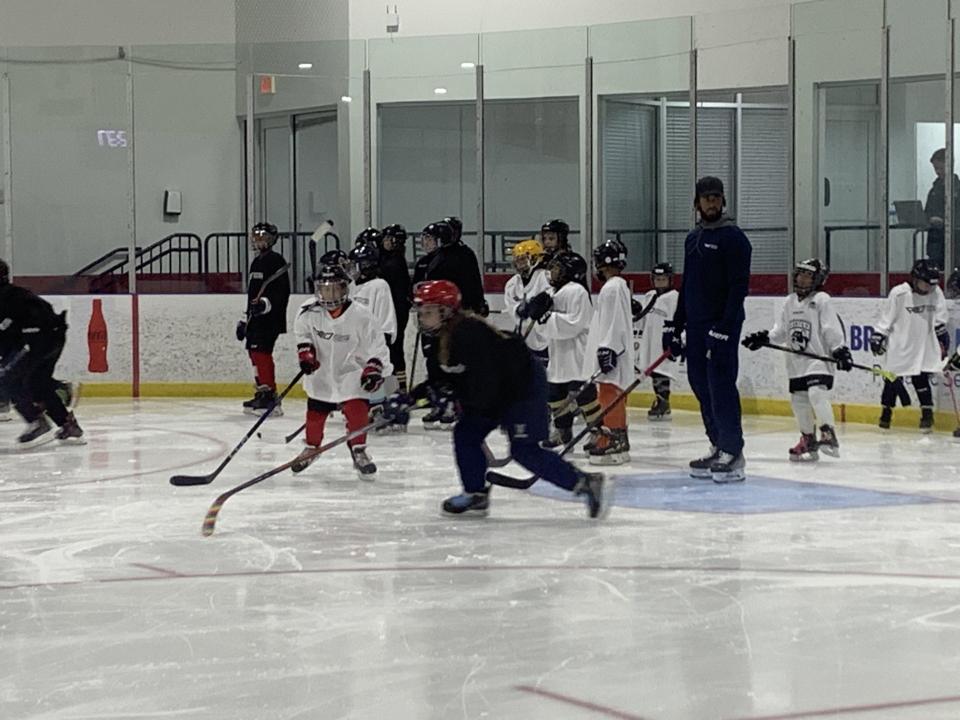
{"type": "Point", "coordinates": [332, 292]}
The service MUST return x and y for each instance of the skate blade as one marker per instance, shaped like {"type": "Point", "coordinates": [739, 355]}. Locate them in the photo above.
{"type": "Point", "coordinates": [367, 477]}
{"type": "Point", "coordinates": [478, 514]}
{"type": "Point", "coordinates": [619, 459]}
{"type": "Point", "coordinates": [804, 458]}
{"type": "Point", "coordinates": [660, 418]}
{"type": "Point", "coordinates": [704, 474]}
{"type": "Point", "coordinates": [73, 441]}
{"type": "Point", "coordinates": [736, 476]}
{"type": "Point", "coordinates": [5, 418]}
{"type": "Point", "coordinates": [832, 452]}
{"type": "Point", "coordinates": [33, 444]}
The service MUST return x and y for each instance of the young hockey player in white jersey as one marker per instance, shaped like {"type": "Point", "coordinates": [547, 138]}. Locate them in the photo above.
{"type": "Point", "coordinates": [610, 351]}
{"type": "Point", "coordinates": [531, 280]}
{"type": "Point", "coordinates": [563, 318]}
{"type": "Point", "coordinates": [912, 334]}
{"type": "Point", "coordinates": [342, 350]}
{"type": "Point", "coordinates": [656, 307]}
{"type": "Point", "coordinates": [809, 323]}
{"type": "Point", "coordinates": [369, 289]}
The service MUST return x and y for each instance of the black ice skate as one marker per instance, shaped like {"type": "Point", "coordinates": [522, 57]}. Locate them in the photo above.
{"type": "Point", "coordinates": [262, 401]}
{"type": "Point", "coordinates": [828, 442]}
{"type": "Point", "coordinates": [431, 421]}
{"type": "Point", "coordinates": [805, 450]}
{"type": "Point", "coordinates": [558, 438]}
{"type": "Point", "coordinates": [660, 410]}
{"type": "Point", "coordinates": [362, 462]}
{"type": "Point", "coordinates": [470, 504]}
{"type": "Point", "coordinates": [591, 444]}
{"type": "Point", "coordinates": [886, 416]}
{"type": "Point", "coordinates": [5, 412]}
{"type": "Point", "coordinates": [39, 432]}
{"type": "Point", "coordinates": [598, 491]}
{"type": "Point", "coordinates": [926, 420]}
{"type": "Point", "coordinates": [700, 468]}
{"type": "Point", "coordinates": [70, 433]}
{"type": "Point", "coordinates": [728, 469]}
{"type": "Point", "coordinates": [304, 460]}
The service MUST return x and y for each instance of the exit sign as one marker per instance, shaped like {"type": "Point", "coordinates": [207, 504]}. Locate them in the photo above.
{"type": "Point", "coordinates": [268, 85]}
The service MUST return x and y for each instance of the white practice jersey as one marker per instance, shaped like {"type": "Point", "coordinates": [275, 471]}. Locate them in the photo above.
{"type": "Point", "coordinates": [516, 292]}
{"type": "Point", "coordinates": [375, 296]}
{"type": "Point", "coordinates": [648, 332]}
{"type": "Point", "coordinates": [811, 325]}
{"type": "Point", "coordinates": [344, 345]}
{"type": "Point", "coordinates": [908, 321]}
{"type": "Point", "coordinates": [566, 327]}
{"type": "Point", "coordinates": [612, 327]}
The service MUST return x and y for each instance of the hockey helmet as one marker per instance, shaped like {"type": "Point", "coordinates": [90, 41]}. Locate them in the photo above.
{"type": "Point", "coordinates": [456, 225]}
{"type": "Point", "coordinates": [567, 267]}
{"type": "Point", "coordinates": [560, 230]}
{"type": "Point", "coordinates": [331, 285]}
{"type": "Point", "coordinates": [610, 253]}
{"type": "Point", "coordinates": [662, 270]}
{"type": "Point", "coordinates": [264, 235]}
{"type": "Point", "coordinates": [4, 273]}
{"type": "Point", "coordinates": [953, 284]}
{"type": "Point", "coordinates": [398, 234]}
{"type": "Point", "coordinates": [526, 254]}
{"type": "Point", "coordinates": [364, 260]}
{"type": "Point", "coordinates": [441, 232]}
{"type": "Point", "coordinates": [818, 273]}
{"type": "Point", "coordinates": [925, 270]}
{"type": "Point", "coordinates": [333, 257]}
{"type": "Point", "coordinates": [440, 295]}
{"type": "Point", "coordinates": [370, 235]}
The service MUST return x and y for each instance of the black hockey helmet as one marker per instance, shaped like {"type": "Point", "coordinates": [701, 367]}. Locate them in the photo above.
{"type": "Point", "coordinates": [953, 284]}
{"type": "Point", "coordinates": [336, 258]}
{"type": "Point", "coordinates": [559, 227]}
{"type": "Point", "coordinates": [818, 272]}
{"type": "Point", "coordinates": [266, 232]}
{"type": "Point", "coordinates": [709, 185]}
{"type": "Point", "coordinates": [926, 270]}
{"type": "Point", "coordinates": [456, 225]}
{"type": "Point", "coordinates": [610, 253]}
{"type": "Point", "coordinates": [397, 233]}
{"type": "Point", "coordinates": [4, 273]}
{"type": "Point", "coordinates": [441, 232]}
{"type": "Point", "coordinates": [370, 235]}
{"type": "Point", "coordinates": [662, 270]}
{"type": "Point", "coordinates": [331, 285]}
{"type": "Point", "coordinates": [567, 267]}
{"type": "Point", "coordinates": [364, 260]}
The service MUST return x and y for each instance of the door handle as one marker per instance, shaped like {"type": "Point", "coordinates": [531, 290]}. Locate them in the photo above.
{"type": "Point", "coordinates": [826, 192]}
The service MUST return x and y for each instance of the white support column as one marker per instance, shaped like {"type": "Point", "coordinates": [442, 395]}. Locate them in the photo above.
{"type": "Point", "coordinates": [693, 130]}
{"type": "Point", "coordinates": [882, 253]}
{"type": "Point", "coordinates": [587, 173]}
{"type": "Point", "coordinates": [367, 152]}
{"type": "Point", "coordinates": [131, 185]}
{"type": "Point", "coordinates": [481, 209]}
{"type": "Point", "coordinates": [7, 180]}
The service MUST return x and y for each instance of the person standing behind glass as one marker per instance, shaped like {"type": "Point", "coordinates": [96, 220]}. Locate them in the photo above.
{"type": "Point", "coordinates": [935, 207]}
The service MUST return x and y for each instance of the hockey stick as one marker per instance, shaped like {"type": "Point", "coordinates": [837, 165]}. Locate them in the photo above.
{"type": "Point", "coordinates": [292, 436]}
{"type": "Point", "coordinates": [14, 361]}
{"type": "Point", "coordinates": [876, 369]}
{"type": "Point", "coordinates": [187, 480]}
{"type": "Point", "coordinates": [496, 478]}
{"type": "Point", "coordinates": [413, 365]}
{"type": "Point", "coordinates": [278, 273]}
{"type": "Point", "coordinates": [211, 518]}
{"type": "Point", "coordinates": [953, 396]}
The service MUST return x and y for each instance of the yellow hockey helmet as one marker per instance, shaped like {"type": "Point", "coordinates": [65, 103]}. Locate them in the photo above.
{"type": "Point", "coordinates": [526, 254]}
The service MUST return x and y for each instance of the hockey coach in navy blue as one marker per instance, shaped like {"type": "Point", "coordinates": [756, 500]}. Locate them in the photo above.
{"type": "Point", "coordinates": [716, 277]}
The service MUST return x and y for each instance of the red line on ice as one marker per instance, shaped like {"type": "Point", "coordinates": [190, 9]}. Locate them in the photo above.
{"type": "Point", "coordinates": [851, 709]}
{"type": "Point", "coordinates": [585, 704]}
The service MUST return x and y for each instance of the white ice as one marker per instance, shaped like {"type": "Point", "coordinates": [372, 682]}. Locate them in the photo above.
{"type": "Point", "coordinates": [322, 596]}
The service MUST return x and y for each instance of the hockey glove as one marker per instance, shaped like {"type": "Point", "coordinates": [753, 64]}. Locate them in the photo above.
{"type": "Point", "coordinates": [953, 364]}
{"type": "Point", "coordinates": [756, 340]}
{"type": "Point", "coordinates": [396, 410]}
{"type": "Point", "coordinates": [671, 340]}
{"type": "Point", "coordinates": [241, 331]}
{"type": "Point", "coordinates": [844, 358]}
{"type": "Point", "coordinates": [607, 359]}
{"type": "Point", "coordinates": [943, 337]}
{"type": "Point", "coordinates": [307, 354]}
{"type": "Point", "coordinates": [259, 307]}
{"type": "Point", "coordinates": [539, 305]}
{"type": "Point", "coordinates": [372, 376]}
{"type": "Point", "coordinates": [878, 344]}
{"type": "Point", "coordinates": [636, 309]}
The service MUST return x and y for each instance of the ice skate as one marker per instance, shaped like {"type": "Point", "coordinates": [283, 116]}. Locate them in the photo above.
{"type": "Point", "coordinates": [700, 468]}
{"type": "Point", "coordinates": [262, 401]}
{"type": "Point", "coordinates": [660, 411]}
{"type": "Point", "coordinates": [926, 420]}
{"type": "Point", "coordinates": [431, 421]}
{"type": "Point", "coordinates": [590, 444]}
{"type": "Point", "coordinates": [362, 462]}
{"type": "Point", "coordinates": [886, 416]}
{"type": "Point", "coordinates": [5, 412]}
{"type": "Point", "coordinates": [612, 449]}
{"type": "Point", "coordinates": [40, 431]}
{"type": "Point", "coordinates": [71, 433]}
{"type": "Point", "coordinates": [598, 491]}
{"type": "Point", "coordinates": [558, 439]}
{"type": "Point", "coordinates": [249, 405]}
{"type": "Point", "coordinates": [470, 504]}
{"type": "Point", "coordinates": [728, 468]}
{"type": "Point", "coordinates": [305, 459]}
{"type": "Point", "coordinates": [828, 442]}
{"type": "Point", "coordinates": [805, 450]}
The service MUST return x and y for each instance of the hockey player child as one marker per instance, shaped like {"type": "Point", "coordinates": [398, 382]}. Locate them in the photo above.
{"type": "Point", "coordinates": [809, 323]}
{"type": "Point", "coordinates": [342, 350]}
{"type": "Point", "coordinates": [369, 289]}
{"type": "Point", "coordinates": [610, 351]}
{"type": "Point", "coordinates": [564, 320]}
{"type": "Point", "coordinates": [393, 269]}
{"type": "Point", "coordinates": [498, 383]}
{"type": "Point", "coordinates": [32, 337]}
{"type": "Point", "coordinates": [656, 307]}
{"type": "Point", "coordinates": [555, 238]}
{"type": "Point", "coordinates": [912, 333]}
{"type": "Point", "coordinates": [266, 316]}
{"type": "Point", "coordinates": [531, 280]}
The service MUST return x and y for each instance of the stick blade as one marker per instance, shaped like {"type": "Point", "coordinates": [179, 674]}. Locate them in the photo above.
{"type": "Point", "coordinates": [502, 480]}
{"type": "Point", "coordinates": [210, 521]}
{"type": "Point", "coordinates": [189, 480]}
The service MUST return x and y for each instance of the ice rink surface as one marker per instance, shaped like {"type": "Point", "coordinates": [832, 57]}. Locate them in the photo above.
{"type": "Point", "coordinates": [811, 591]}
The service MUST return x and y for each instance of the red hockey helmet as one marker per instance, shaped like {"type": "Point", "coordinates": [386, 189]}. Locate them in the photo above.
{"type": "Point", "coordinates": [442, 295]}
